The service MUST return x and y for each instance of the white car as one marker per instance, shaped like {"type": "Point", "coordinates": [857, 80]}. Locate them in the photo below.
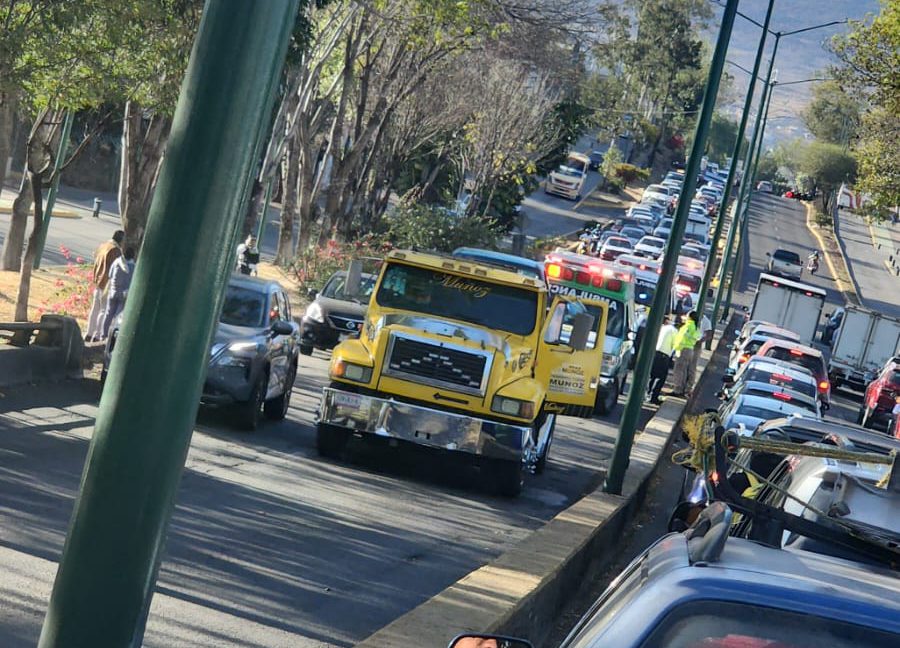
{"type": "Point", "coordinates": [745, 413]}
{"type": "Point", "coordinates": [746, 347]}
{"type": "Point", "coordinates": [765, 186]}
{"type": "Point", "coordinates": [568, 180]}
{"type": "Point", "coordinates": [650, 246]}
{"type": "Point", "coordinates": [656, 190]}
{"type": "Point", "coordinates": [774, 373]}
{"type": "Point", "coordinates": [615, 246]}
{"type": "Point", "coordinates": [633, 233]}
{"type": "Point", "coordinates": [696, 252]}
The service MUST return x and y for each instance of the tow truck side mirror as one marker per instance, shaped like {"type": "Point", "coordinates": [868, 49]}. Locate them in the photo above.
{"type": "Point", "coordinates": [582, 325]}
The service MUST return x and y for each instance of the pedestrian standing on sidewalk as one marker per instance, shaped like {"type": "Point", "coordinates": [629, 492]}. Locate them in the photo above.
{"type": "Point", "coordinates": [119, 282]}
{"type": "Point", "coordinates": [705, 334]}
{"type": "Point", "coordinates": [685, 341]}
{"type": "Point", "coordinates": [662, 360]}
{"type": "Point", "coordinates": [104, 257]}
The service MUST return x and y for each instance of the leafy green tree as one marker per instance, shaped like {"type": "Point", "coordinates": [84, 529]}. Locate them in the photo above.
{"type": "Point", "coordinates": [833, 115]}
{"type": "Point", "coordinates": [612, 159]}
{"type": "Point", "coordinates": [870, 54]}
{"type": "Point", "coordinates": [722, 135]}
{"type": "Point", "coordinates": [828, 165]}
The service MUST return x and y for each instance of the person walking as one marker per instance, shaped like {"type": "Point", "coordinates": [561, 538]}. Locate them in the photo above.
{"type": "Point", "coordinates": [119, 282]}
{"type": "Point", "coordinates": [104, 257]}
{"type": "Point", "coordinates": [705, 334]}
{"type": "Point", "coordinates": [685, 341]}
{"type": "Point", "coordinates": [248, 256]}
{"type": "Point", "coordinates": [662, 360]}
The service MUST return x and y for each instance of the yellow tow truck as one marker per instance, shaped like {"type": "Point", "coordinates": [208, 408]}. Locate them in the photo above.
{"type": "Point", "coordinates": [464, 358]}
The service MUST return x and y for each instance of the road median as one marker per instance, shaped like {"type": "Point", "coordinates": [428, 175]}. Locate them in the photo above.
{"type": "Point", "coordinates": [521, 592]}
{"type": "Point", "coordinates": [835, 256]}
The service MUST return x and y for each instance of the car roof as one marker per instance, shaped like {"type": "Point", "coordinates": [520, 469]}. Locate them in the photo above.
{"type": "Point", "coordinates": [788, 344]}
{"type": "Point", "coordinates": [763, 402]}
{"type": "Point", "coordinates": [501, 257]}
{"type": "Point", "coordinates": [253, 283]}
{"type": "Point", "coordinates": [652, 238]}
{"type": "Point", "coordinates": [775, 366]}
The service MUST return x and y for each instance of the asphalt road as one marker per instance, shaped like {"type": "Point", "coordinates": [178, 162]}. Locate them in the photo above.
{"type": "Point", "coordinates": [271, 545]}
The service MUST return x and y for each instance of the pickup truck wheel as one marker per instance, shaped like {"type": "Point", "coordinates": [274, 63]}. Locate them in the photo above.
{"type": "Point", "coordinates": [330, 441]}
{"type": "Point", "coordinates": [248, 412]}
{"type": "Point", "coordinates": [306, 350]}
{"type": "Point", "coordinates": [607, 399]}
{"type": "Point", "coordinates": [509, 477]}
{"type": "Point", "coordinates": [275, 409]}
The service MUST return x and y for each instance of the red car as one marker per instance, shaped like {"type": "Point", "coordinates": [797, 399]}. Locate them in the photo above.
{"type": "Point", "coordinates": [804, 356]}
{"type": "Point", "coordinates": [881, 396]}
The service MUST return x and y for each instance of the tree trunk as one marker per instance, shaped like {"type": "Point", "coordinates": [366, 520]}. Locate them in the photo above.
{"type": "Point", "coordinates": [142, 155]}
{"type": "Point", "coordinates": [21, 315]}
{"type": "Point", "coordinates": [7, 125]}
{"type": "Point", "coordinates": [290, 174]}
{"type": "Point", "coordinates": [15, 237]}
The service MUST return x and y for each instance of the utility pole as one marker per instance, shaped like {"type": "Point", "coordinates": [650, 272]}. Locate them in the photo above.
{"type": "Point", "coordinates": [726, 196]}
{"type": "Point", "coordinates": [622, 451]}
{"type": "Point", "coordinates": [728, 254]}
{"type": "Point", "coordinates": [105, 582]}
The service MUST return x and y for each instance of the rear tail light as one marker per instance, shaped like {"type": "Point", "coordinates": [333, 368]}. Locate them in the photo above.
{"type": "Point", "coordinates": [744, 357]}
{"type": "Point", "coordinates": [782, 377]}
{"type": "Point", "coordinates": [824, 385]}
{"type": "Point", "coordinates": [781, 396]}
{"type": "Point", "coordinates": [554, 271]}
{"type": "Point", "coordinates": [596, 281]}
{"type": "Point", "coordinates": [796, 352]}
{"type": "Point", "coordinates": [614, 285]}
{"type": "Point", "coordinates": [583, 278]}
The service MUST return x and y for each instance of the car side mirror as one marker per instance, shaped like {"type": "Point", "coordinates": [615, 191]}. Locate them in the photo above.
{"type": "Point", "coordinates": [488, 641]}
{"type": "Point", "coordinates": [768, 254]}
{"type": "Point", "coordinates": [280, 327]}
{"type": "Point", "coordinates": [312, 293]}
{"type": "Point", "coordinates": [582, 325]}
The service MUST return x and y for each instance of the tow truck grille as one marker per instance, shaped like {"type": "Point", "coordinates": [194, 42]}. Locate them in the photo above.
{"type": "Point", "coordinates": [436, 365]}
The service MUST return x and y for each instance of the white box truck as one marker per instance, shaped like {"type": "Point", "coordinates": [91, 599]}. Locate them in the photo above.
{"type": "Point", "coordinates": [862, 344]}
{"type": "Point", "coordinates": [789, 304]}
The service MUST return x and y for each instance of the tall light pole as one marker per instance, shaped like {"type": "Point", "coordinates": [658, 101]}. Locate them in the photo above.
{"type": "Point", "coordinates": [106, 578]}
{"type": "Point", "coordinates": [622, 450]}
{"type": "Point", "coordinates": [728, 254]}
{"type": "Point", "coordinates": [726, 196]}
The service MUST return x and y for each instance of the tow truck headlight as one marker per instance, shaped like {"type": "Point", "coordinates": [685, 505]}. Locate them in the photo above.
{"type": "Point", "coordinates": [513, 407]}
{"type": "Point", "coordinates": [314, 312]}
{"type": "Point", "coordinates": [349, 371]}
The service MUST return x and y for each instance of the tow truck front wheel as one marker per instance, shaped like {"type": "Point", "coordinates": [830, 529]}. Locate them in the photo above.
{"type": "Point", "coordinates": [331, 441]}
{"type": "Point", "coordinates": [508, 477]}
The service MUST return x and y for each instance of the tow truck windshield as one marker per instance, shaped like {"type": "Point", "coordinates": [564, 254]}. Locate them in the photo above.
{"type": "Point", "coordinates": [432, 292]}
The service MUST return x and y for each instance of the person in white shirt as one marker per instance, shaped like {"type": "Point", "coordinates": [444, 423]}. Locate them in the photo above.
{"type": "Point", "coordinates": [662, 360]}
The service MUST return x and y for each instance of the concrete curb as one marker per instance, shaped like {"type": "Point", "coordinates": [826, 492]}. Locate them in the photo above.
{"type": "Point", "coordinates": [852, 294]}
{"type": "Point", "coordinates": [521, 592]}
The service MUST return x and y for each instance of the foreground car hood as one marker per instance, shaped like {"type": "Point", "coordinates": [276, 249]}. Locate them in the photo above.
{"type": "Point", "coordinates": [228, 334]}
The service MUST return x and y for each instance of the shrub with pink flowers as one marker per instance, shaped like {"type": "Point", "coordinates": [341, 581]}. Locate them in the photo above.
{"type": "Point", "coordinates": [74, 296]}
{"type": "Point", "coordinates": [314, 265]}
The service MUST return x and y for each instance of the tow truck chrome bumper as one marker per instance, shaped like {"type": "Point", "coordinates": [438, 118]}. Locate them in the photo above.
{"type": "Point", "coordinates": [390, 419]}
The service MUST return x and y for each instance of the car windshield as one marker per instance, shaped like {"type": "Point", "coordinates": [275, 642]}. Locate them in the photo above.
{"type": "Point", "coordinates": [432, 292]}
{"type": "Point", "coordinates": [243, 307]}
{"type": "Point", "coordinates": [335, 287]}
{"type": "Point", "coordinates": [779, 379]}
{"type": "Point", "coordinates": [787, 256]}
{"type": "Point", "coordinates": [652, 242]}
{"type": "Point", "coordinates": [813, 363]}
{"type": "Point", "coordinates": [757, 411]}
{"type": "Point", "coordinates": [691, 252]}
{"type": "Point", "coordinates": [722, 624]}
{"type": "Point", "coordinates": [572, 166]}
{"type": "Point", "coordinates": [750, 390]}
{"type": "Point", "coordinates": [618, 241]}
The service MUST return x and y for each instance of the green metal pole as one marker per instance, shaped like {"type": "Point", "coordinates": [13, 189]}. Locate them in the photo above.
{"type": "Point", "coordinates": [106, 578]}
{"type": "Point", "coordinates": [54, 186]}
{"type": "Point", "coordinates": [745, 208]}
{"type": "Point", "coordinates": [726, 197]}
{"type": "Point", "coordinates": [728, 257]}
{"type": "Point", "coordinates": [633, 405]}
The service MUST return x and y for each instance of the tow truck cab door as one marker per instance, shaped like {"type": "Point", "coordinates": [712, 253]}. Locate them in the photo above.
{"type": "Point", "coordinates": [570, 353]}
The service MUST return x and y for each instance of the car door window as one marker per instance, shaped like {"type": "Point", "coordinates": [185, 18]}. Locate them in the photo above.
{"type": "Point", "coordinates": [285, 306]}
{"type": "Point", "coordinates": [275, 308]}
